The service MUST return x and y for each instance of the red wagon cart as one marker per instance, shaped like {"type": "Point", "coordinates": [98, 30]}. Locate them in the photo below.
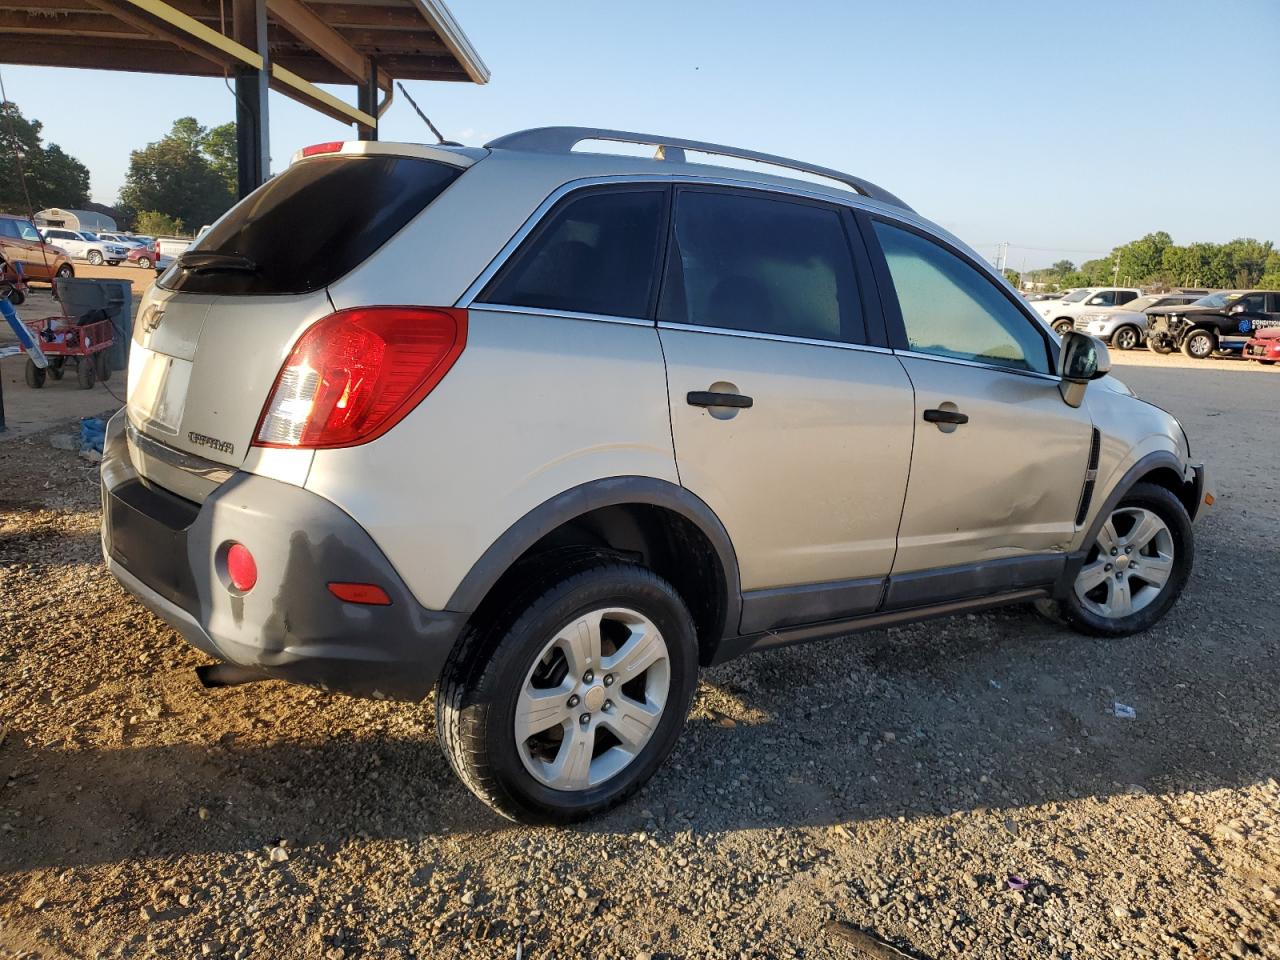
{"type": "Point", "coordinates": [63, 339]}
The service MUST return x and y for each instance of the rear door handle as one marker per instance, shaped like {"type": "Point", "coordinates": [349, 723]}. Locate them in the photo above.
{"type": "Point", "coordinates": [945, 416]}
{"type": "Point", "coordinates": [706, 398]}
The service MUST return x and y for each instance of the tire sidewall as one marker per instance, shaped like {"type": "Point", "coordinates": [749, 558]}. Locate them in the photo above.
{"type": "Point", "coordinates": [1127, 331]}
{"type": "Point", "coordinates": [1192, 338]}
{"type": "Point", "coordinates": [1169, 508]}
{"type": "Point", "coordinates": [517, 651]}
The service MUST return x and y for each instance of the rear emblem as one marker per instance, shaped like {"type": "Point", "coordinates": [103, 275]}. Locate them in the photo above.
{"type": "Point", "coordinates": [200, 440]}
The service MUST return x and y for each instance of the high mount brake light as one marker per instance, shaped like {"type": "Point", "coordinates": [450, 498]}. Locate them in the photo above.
{"type": "Point", "coordinates": [355, 374]}
{"type": "Point", "coordinates": [332, 146]}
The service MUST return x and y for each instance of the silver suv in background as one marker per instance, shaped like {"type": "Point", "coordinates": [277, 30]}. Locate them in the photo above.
{"type": "Point", "coordinates": [83, 245]}
{"type": "Point", "coordinates": [1126, 327]}
{"type": "Point", "coordinates": [1061, 314]}
{"type": "Point", "coordinates": [547, 430]}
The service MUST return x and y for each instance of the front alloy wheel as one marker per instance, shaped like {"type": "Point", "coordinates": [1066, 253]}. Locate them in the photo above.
{"type": "Point", "coordinates": [1136, 567]}
{"type": "Point", "coordinates": [1131, 564]}
{"type": "Point", "coordinates": [1199, 345]}
{"type": "Point", "coordinates": [566, 703]}
{"type": "Point", "coordinates": [1126, 338]}
{"type": "Point", "coordinates": [94, 258]}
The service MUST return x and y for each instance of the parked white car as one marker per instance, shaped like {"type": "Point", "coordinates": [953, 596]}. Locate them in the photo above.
{"type": "Point", "coordinates": [83, 245]}
{"type": "Point", "coordinates": [1062, 314]}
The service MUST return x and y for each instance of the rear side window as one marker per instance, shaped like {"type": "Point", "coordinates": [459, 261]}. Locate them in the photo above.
{"type": "Point", "coordinates": [312, 224]}
{"type": "Point", "coordinates": [1124, 296]}
{"type": "Point", "coordinates": [595, 253]}
{"type": "Point", "coordinates": [768, 266]}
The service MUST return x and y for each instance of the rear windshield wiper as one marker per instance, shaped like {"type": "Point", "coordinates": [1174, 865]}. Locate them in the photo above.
{"type": "Point", "coordinates": [204, 262]}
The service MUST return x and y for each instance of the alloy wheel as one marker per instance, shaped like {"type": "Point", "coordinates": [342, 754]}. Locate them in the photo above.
{"type": "Point", "coordinates": [592, 699]}
{"type": "Point", "coordinates": [1129, 564]}
{"type": "Point", "coordinates": [1126, 338]}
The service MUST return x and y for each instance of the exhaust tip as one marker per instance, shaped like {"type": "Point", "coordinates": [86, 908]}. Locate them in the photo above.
{"type": "Point", "coordinates": [226, 675]}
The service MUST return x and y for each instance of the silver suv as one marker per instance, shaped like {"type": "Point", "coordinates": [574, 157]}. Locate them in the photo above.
{"type": "Point", "coordinates": [548, 430]}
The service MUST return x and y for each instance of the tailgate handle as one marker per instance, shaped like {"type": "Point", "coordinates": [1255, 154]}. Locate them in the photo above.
{"type": "Point", "coordinates": [707, 398]}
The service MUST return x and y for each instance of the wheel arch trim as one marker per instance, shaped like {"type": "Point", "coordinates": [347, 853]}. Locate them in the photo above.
{"type": "Point", "coordinates": [583, 499]}
{"type": "Point", "coordinates": [1146, 465]}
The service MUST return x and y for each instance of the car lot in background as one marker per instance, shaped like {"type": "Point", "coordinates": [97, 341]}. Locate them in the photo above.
{"type": "Point", "coordinates": [1062, 314]}
{"type": "Point", "coordinates": [1221, 321]}
{"type": "Point", "coordinates": [122, 239]}
{"type": "Point", "coordinates": [21, 242]}
{"type": "Point", "coordinates": [1126, 328]}
{"type": "Point", "coordinates": [84, 245]}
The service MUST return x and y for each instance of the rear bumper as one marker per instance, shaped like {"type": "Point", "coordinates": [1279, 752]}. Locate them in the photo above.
{"type": "Point", "coordinates": [1257, 348]}
{"type": "Point", "coordinates": [167, 552]}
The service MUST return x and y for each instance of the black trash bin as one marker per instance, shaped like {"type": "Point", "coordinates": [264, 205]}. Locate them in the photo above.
{"type": "Point", "coordinates": [80, 296]}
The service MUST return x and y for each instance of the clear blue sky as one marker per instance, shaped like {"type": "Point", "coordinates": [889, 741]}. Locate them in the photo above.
{"type": "Point", "coordinates": [1064, 128]}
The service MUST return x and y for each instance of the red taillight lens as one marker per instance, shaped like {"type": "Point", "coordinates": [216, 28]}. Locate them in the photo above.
{"type": "Point", "coordinates": [355, 374]}
{"type": "Point", "coordinates": [366, 593]}
{"type": "Point", "coordinates": [331, 146]}
{"type": "Point", "coordinates": [242, 570]}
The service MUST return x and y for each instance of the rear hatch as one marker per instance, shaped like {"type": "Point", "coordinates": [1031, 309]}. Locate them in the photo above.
{"type": "Point", "coordinates": [211, 336]}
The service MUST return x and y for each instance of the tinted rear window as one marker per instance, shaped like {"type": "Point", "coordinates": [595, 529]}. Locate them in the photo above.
{"type": "Point", "coordinates": [314, 223]}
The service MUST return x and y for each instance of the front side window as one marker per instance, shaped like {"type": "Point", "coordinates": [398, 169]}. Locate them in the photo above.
{"type": "Point", "coordinates": [1252, 303]}
{"type": "Point", "coordinates": [949, 309]}
{"type": "Point", "coordinates": [1105, 299]}
{"type": "Point", "coordinates": [596, 253]}
{"type": "Point", "coordinates": [763, 265]}
{"type": "Point", "coordinates": [28, 232]}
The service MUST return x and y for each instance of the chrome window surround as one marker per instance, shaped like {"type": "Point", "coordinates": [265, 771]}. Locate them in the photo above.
{"type": "Point", "coordinates": [908, 217]}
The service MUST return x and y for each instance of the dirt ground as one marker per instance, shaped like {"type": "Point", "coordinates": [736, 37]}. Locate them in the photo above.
{"type": "Point", "coordinates": [902, 781]}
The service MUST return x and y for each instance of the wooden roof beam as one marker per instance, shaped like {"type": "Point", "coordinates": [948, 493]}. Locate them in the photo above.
{"type": "Point", "coordinates": [298, 19]}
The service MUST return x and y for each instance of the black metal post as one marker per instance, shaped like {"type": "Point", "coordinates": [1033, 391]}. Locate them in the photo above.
{"type": "Point", "coordinates": [253, 151]}
{"type": "Point", "coordinates": [367, 100]}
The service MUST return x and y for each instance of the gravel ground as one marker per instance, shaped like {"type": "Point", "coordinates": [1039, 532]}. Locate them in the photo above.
{"type": "Point", "coordinates": [896, 781]}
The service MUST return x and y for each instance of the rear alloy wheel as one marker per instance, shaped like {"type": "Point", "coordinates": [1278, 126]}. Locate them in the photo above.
{"type": "Point", "coordinates": [576, 702]}
{"type": "Point", "coordinates": [144, 263]}
{"type": "Point", "coordinates": [1063, 327]}
{"type": "Point", "coordinates": [94, 258]}
{"type": "Point", "coordinates": [1136, 568]}
{"type": "Point", "coordinates": [1126, 338]}
{"type": "Point", "coordinates": [65, 272]}
{"type": "Point", "coordinates": [1199, 344]}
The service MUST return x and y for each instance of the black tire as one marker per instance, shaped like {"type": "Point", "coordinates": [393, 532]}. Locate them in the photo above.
{"type": "Point", "coordinates": [65, 272]}
{"type": "Point", "coordinates": [94, 258]}
{"type": "Point", "coordinates": [1063, 325]}
{"type": "Point", "coordinates": [102, 366]}
{"type": "Point", "coordinates": [144, 263]}
{"type": "Point", "coordinates": [483, 677]}
{"type": "Point", "coordinates": [1168, 508]}
{"type": "Point", "coordinates": [1266, 363]}
{"type": "Point", "coordinates": [1200, 344]}
{"type": "Point", "coordinates": [16, 297]}
{"type": "Point", "coordinates": [34, 375]}
{"type": "Point", "coordinates": [57, 367]}
{"type": "Point", "coordinates": [1126, 337]}
{"type": "Point", "coordinates": [84, 373]}
{"type": "Point", "coordinates": [1159, 345]}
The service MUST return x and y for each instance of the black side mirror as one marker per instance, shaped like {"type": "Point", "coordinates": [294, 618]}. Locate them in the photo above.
{"type": "Point", "coordinates": [1082, 358]}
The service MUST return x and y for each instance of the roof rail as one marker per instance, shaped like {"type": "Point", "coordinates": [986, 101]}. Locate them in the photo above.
{"type": "Point", "coordinates": [564, 139]}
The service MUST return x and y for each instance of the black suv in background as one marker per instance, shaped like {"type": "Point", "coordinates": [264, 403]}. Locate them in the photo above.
{"type": "Point", "coordinates": [1219, 321]}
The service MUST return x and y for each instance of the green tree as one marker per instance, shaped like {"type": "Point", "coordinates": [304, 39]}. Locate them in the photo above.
{"type": "Point", "coordinates": [1014, 277]}
{"type": "Point", "coordinates": [1063, 267]}
{"type": "Point", "coordinates": [153, 224]}
{"type": "Point", "coordinates": [174, 177]}
{"type": "Point", "coordinates": [219, 146]}
{"type": "Point", "coordinates": [1270, 279]}
{"type": "Point", "coordinates": [53, 178]}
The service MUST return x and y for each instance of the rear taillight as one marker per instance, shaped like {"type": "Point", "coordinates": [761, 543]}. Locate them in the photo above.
{"type": "Point", "coordinates": [355, 374]}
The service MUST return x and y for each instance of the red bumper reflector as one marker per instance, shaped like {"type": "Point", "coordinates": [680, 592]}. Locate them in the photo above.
{"type": "Point", "coordinates": [242, 570]}
{"type": "Point", "coordinates": [366, 593]}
